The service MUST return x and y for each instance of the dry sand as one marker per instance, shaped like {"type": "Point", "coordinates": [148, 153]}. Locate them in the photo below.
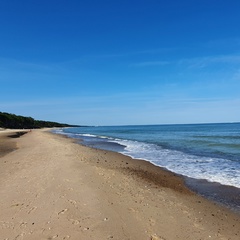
{"type": "Point", "coordinates": [53, 188]}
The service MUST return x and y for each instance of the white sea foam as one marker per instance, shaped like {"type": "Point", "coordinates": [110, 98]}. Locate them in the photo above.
{"type": "Point", "coordinates": [198, 167]}
{"type": "Point", "coordinates": [94, 136]}
{"type": "Point", "coordinates": [85, 135]}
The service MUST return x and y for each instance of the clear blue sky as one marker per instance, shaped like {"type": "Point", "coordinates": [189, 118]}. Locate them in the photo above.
{"type": "Point", "coordinates": [114, 62]}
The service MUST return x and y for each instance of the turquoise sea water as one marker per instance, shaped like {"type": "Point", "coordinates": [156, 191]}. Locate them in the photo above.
{"type": "Point", "coordinates": [199, 151]}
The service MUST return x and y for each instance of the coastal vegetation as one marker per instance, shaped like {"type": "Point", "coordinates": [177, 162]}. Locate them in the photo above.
{"type": "Point", "coordinates": [12, 121]}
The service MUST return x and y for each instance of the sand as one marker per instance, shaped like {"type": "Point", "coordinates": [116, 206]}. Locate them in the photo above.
{"type": "Point", "coordinates": [54, 188]}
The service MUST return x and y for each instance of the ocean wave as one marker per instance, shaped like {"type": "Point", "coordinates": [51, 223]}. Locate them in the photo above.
{"type": "Point", "coordinates": [199, 167]}
{"type": "Point", "coordinates": [177, 154]}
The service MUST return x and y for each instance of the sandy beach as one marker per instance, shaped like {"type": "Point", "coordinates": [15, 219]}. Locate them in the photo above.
{"type": "Point", "coordinates": [54, 188]}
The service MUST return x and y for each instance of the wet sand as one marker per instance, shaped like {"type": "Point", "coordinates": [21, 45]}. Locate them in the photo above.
{"type": "Point", "coordinates": [6, 145]}
{"type": "Point", "coordinates": [53, 188]}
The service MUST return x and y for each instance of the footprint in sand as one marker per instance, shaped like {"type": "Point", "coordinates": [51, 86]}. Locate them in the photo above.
{"type": "Point", "coordinates": [23, 225]}
{"type": "Point", "coordinates": [53, 237]}
{"type": "Point", "coordinates": [4, 225]}
{"type": "Point", "coordinates": [19, 237]}
{"type": "Point", "coordinates": [32, 209]}
{"type": "Point", "coordinates": [63, 211]}
{"type": "Point", "coordinates": [155, 237]}
{"type": "Point", "coordinates": [72, 202]}
{"type": "Point", "coordinates": [17, 205]}
{"type": "Point", "coordinates": [75, 222]}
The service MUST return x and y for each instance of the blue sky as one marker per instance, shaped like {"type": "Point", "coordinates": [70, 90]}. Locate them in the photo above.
{"type": "Point", "coordinates": [94, 62]}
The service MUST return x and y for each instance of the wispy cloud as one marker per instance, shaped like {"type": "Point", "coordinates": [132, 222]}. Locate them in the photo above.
{"type": "Point", "coordinates": [202, 62]}
{"type": "Point", "coordinates": [195, 62]}
{"type": "Point", "coordinates": [133, 53]}
{"type": "Point", "coordinates": [104, 109]}
{"type": "Point", "coordinates": [109, 56]}
{"type": "Point", "coordinates": [16, 63]}
{"type": "Point", "coordinates": [150, 63]}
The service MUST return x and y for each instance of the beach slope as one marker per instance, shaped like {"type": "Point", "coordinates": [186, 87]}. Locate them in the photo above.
{"type": "Point", "coordinates": [54, 188]}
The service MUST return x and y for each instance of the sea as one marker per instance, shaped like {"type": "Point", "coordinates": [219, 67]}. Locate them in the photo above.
{"type": "Point", "coordinates": [206, 155]}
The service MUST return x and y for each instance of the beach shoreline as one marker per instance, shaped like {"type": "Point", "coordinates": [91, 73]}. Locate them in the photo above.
{"type": "Point", "coordinates": [53, 187]}
{"type": "Point", "coordinates": [223, 194]}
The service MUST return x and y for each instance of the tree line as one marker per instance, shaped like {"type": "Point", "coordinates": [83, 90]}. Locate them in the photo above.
{"type": "Point", "coordinates": [12, 121]}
